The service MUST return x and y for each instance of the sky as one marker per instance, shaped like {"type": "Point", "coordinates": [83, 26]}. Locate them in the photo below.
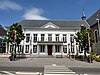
{"type": "Point", "coordinates": [12, 11]}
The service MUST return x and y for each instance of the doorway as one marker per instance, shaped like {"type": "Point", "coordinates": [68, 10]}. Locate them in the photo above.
{"type": "Point", "coordinates": [49, 49]}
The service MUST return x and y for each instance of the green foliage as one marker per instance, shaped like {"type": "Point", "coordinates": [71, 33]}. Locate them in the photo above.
{"type": "Point", "coordinates": [13, 30]}
{"type": "Point", "coordinates": [19, 34]}
{"type": "Point", "coordinates": [82, 38]}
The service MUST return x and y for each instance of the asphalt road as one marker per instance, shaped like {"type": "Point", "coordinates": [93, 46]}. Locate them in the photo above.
{"type": "Point", "coordinates": [78, 70]}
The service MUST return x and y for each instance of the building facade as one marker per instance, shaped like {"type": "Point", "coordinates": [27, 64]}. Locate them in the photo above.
{"type": "Point", "coordinates": [50, 37]}
{"type": "Point", "coordinates": [2, 43]}
{"type": "Point", "coordinates": [94, 21]}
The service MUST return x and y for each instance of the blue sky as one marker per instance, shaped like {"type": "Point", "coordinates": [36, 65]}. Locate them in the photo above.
{"type": "Point", "coordinates": [12, 11]}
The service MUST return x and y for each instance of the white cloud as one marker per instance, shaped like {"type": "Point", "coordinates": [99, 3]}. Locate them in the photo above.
{"type": "Point", "coordinates": [6, 4]}
{"type": "Point", "coordinates": [34, 14]}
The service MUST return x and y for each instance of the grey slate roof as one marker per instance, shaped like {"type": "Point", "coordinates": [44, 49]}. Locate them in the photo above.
{"type": "Point", "coordinates": [92, 20]}
{"type": "Point", "coordinates": [60, 23]}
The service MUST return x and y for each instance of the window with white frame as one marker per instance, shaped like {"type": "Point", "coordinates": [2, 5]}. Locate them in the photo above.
{"type": "Point", "coordinates": [64, 38]}
{"type": "Point", "coordinates": [11, 48]}
{"type": "Point", "coordinates": [72, 49]}
{"type": "Point", "coordinates": [57, 48]}
{"type": "Point", "coordinates": [19, 49]}
{"type": "Point", "coordinates": [42, 48]}
{"type": "Point", "coordinates": [72, 38]}
{"type": "Point", "coordinates": [65, 48]}
{"type": "Point", "coordinates": [42, 37]}
{"type": "Point", "coordinates": [34, 48]}
{"type": "Point", "coordinates": [57, 37]}
{"type": "Point", "coordinates": [27, 49]}
{"type": "Point", "coordinates": [27, 38]}
{"type": "Point", "coordinates": [34, 37]}
{"type": "Point", "coordinates": [49, 37]}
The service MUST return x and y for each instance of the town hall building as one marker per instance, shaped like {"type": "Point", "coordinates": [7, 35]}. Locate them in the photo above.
{"type": "Point", "coordinates": [50, 37]}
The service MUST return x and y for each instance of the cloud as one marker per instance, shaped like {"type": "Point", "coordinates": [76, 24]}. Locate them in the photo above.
{"type": "Point", "coordinates": [7, 5]}
{"type": "Point", "coordinates": [34, 14]}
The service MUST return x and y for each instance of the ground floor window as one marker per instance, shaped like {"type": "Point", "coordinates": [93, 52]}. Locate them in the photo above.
{"type": "Point", "coordinates": [80, 49]}
{"type": "Point", "coordinates": [57, 48]}
{"type": "Point", "coordinates": [72, 49]}
{"type": "Point", "coordinates": [11, 48]}
{"type": "Point", "coordinates": [27, 49]}
{"type": "Point", "coordinates": [19, 48]}
{"type": "Point", "coordinates": [42, 48]}
{"type": "Point", "coordinates": [34, 48]}
{"type": "Point", "coordinates": [65, 49]}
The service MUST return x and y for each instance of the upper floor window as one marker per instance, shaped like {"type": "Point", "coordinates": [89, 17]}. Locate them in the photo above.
{"type": "Point", "coordinates": [49, 37]}
{"type": "Point", "coordinates": [42, 37]}
{"type": "Point", "coordinates": [64, 38]}
{"type": "Point", "coordinates": [57, 37]}
{"type": "Point", "coordinates": [27, 37]}
{"type": "Point", "coordinates": [34, 37]}
{"type": "Point", "coordinates": [72, 38]}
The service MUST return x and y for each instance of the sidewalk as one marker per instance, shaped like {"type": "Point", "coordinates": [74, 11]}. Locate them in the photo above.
{"type": "Point", "coordinates": [41, 62]}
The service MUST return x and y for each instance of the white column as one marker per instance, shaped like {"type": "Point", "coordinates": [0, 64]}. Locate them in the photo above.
{"type": "Point", "coordinates": [61, 49]}
{"type": "Point", "coordinates": [46, 51]}
{"type": "Point", "coordinates": [38, 50]}
{"type": "Point", "coordinates": [39, 37]}
{"type": "Point", "coordinates": [53, 37]}
{"type": "Point", "coordinates": [60, 37]}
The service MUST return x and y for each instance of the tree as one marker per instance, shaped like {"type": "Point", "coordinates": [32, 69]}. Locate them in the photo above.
{"type": "Point", "coordinates": [83, 37]}
{"type": "Point", "coordinates": [14, 35]}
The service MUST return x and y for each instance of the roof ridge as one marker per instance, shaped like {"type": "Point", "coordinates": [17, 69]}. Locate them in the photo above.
{"type": "Point", "coordinates": [52, 20]}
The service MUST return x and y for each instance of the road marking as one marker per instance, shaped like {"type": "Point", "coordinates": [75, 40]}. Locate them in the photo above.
{"type": "Point", "coordinates": [8, 73]}
{"type": "Point", "coordinates": [28, 73]}
{"type": "Point", "coordinates": [57, 70]}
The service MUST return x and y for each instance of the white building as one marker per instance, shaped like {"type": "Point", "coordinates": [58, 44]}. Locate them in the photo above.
{"type": "Point", "coordinates": [50, 37]}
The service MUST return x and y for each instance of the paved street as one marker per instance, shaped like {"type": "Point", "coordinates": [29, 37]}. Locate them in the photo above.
{"type": "Point", "coordinates": [37, 65]}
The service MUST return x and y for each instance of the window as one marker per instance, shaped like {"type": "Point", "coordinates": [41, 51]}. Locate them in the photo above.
{"type": "Point", "coordinates": [27, 37]}
{"type": "Point", "coordinates": [49, 37]}
{"type": "Point", "coordinates": [64, 38]}
{"type": "Point", "coordinates": [72, 49]}
{"type": "Point", "coordinates": [80, 48]}
{"type": "Point", "coordinates": [57, 48]}
{"type": "Point", "coordinates": [11, 48]}
{"type": "Point", "coordinates": [42, 48]}
{"type": "Point", "coordinates": [57, 37]}
{"type": "Point", "coordinates": [19, 48]}
{"type": "Point", "coordinates": [42, 37]}
{"type": "Point", "coordinates": [27, 49]}
{"type": "Point", "coordinates": [65, 49]}
{"type": "Point", "coordinates": [72, 38]}
{"type": "Point", "coordinates": [34, 48]}
{"type": "Point", "coordinates": [34, 37]}
{"type": "Point", "coordinates": [96, 35]}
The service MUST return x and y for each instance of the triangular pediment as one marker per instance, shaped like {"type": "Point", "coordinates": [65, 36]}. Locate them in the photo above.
{"type": "Point", "coordinates": [50, 25]}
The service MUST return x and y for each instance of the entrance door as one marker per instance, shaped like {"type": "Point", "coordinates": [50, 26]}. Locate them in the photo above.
{"type": "Point", "coordinates": [49, 49]}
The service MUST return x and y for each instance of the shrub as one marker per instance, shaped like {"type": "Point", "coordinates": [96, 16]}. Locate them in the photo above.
{"type": "Point", "coordinates": [97, 59]}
